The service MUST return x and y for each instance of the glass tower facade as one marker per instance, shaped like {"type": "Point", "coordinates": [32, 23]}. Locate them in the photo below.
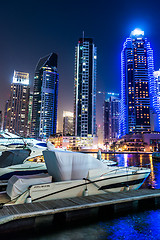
{"type": "Point", "coordinates": [138, 85]}
{"type": "Point", "coordinates": [85, 88]}
{"type": "Point", "coordinates": [68, 123]}
{"type": "Point", "coordinates": [45, 97]}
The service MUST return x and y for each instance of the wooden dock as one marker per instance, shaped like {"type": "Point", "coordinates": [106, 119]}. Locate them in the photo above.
{"type": "Point", "coordinates": [35, 214]}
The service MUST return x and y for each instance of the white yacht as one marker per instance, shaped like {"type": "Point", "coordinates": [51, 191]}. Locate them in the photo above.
{"type": "Point", "coordinates": [73, 174]}
{"type": "Point", "coordinates": [27, 161]}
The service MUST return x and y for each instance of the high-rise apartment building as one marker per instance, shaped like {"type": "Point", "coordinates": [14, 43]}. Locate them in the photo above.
{"type": "Point", "coordinates": [16, 113]}
{"type": "Point", "coordinates": [111, 118]}
{"type": "Point", "coordinates": [45, 97]}
{"type": "Point", "coordinates": [138, 85]}
{"type": "Point", "coordinates": [85, 88]}
{"type": "Point", "coordinates": [68, 123]}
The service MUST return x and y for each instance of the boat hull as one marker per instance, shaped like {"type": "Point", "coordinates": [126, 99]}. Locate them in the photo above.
{"type": "Point", "coordinates": [112, 183]}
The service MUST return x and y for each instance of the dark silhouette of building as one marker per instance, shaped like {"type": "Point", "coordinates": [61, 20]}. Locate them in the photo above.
{"type": "Point", "coordinates": [45, 97]}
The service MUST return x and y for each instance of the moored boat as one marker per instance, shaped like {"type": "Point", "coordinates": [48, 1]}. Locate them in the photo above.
{"type": "Point", "coordinates": [75, 174]}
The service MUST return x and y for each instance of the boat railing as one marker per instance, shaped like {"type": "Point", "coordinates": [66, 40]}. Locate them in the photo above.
{"type": "Point", "coordinates": [128, 168]}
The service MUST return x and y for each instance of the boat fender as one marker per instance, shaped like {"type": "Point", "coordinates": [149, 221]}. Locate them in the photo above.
{"type": "Point", "coordinates": [126, 188]}
{"type": "Point", "coordinates": [29, 199]}
{"type": "Point", "coordinates": [85, 193]}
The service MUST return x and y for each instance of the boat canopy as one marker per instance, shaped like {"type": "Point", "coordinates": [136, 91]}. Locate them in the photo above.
{"type": "Point", "coordinates": [66, 165]}
{"type": "Point", "coordinates": [19, 184]}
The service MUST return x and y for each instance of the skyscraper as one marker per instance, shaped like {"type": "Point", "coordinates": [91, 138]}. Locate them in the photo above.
{"type": "Point", "coordinates": [45, 97]}
{"type": "Point", "coordinates": [111, 118]}
{"type": "Point", "coordinates": [16, 113]}
{"type": "Point", "coordinates": [85, 88]}
{"type": "Point", "coordinates": [138, 85]}
{"type": "Point", "coordinates": [68, 123]}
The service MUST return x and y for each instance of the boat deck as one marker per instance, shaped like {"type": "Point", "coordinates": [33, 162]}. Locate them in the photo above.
{"type": "Point", "coordinates": [9, 214]}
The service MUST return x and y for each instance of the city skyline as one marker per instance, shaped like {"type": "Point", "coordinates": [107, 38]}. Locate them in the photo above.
{"type": "Point", "coordinates": [22, 42]}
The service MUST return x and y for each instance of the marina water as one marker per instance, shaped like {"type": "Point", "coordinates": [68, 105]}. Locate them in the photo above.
{"type": "Point", "coordinates": [142, 225]}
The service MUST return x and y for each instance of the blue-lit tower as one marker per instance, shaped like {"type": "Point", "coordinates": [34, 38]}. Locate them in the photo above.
{"type": "Point", "coordinates": [138, 85]}
{"type": "Point", "coordinates": [45, 97]}
{"type": "Point", "coordinates": [85, 88]}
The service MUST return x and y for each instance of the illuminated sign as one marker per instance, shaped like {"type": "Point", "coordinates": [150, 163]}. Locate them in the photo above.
{"type": "Point", "coordinates": [21, 77]}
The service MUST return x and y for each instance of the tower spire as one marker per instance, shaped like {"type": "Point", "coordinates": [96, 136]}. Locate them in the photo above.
{"type": "Point", "coordinates": [83, 36]}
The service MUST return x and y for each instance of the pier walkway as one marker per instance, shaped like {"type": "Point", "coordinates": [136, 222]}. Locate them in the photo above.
{"type": "Point", "coordinates": [15, 216]}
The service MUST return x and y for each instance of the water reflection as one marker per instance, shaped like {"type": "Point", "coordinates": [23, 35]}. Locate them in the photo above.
{"type": "Point", "coordinates": [125, 160]}
{"type": "Point", "coordinates": [151, 179]}
{"type": "Point", "coordinates": [142, 226]}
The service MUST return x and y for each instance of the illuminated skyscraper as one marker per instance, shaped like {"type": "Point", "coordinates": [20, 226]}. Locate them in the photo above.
{"type": "Point", "coordinates": [85, 88]}
{"type": "Point", "coordinates": [45, 97]}
{"type": "Point", "coordinates": [68, 123]}
{"type": "Point", "coordinates": [138, 85]}
{"type": "Point", "coordinates": [16, 113]}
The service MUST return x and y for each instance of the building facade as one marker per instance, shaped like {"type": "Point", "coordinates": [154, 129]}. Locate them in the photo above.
{"type": "Point", "coordinates": [138, 85]}
{"type": "Point", "coordinates": [45, 97]}
{"type": "Point", "coordinates": [68, 129]}
{"type": "Point", "coordinates": [111, 118]}
{"type": "Point", "coordinates": [16, 110]}
{"type": "Point", "coordinates": [85, 88]}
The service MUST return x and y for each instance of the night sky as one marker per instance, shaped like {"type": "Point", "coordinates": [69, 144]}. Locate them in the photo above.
{"type": "Point", "coordinates": [32, 29]}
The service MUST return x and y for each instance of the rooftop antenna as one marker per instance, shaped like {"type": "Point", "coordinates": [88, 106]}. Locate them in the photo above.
{"type": "Point", "coordinates": [83, 36]}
